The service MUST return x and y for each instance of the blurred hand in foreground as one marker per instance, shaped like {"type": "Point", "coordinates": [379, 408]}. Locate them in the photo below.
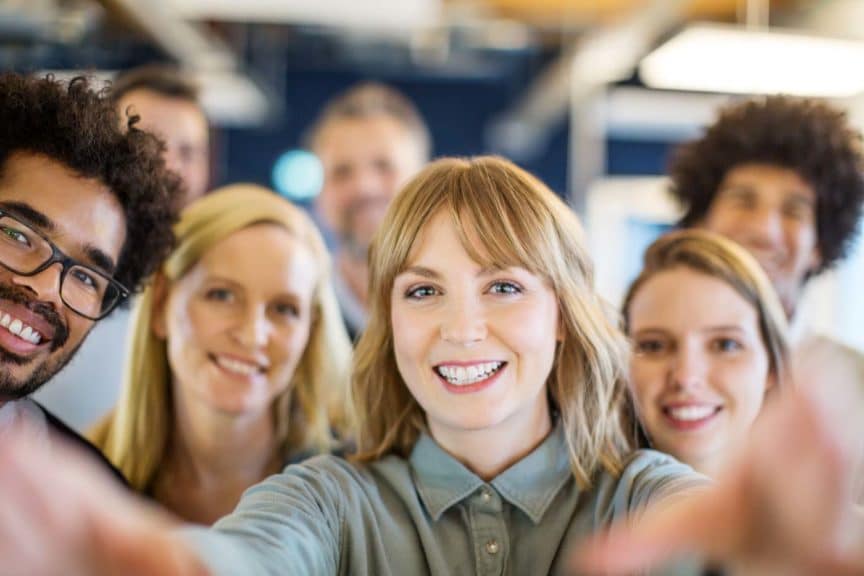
{"type": "Point", "coordinates": [786, 507]}
{"type": "Point", "coordinates": [59, 514]}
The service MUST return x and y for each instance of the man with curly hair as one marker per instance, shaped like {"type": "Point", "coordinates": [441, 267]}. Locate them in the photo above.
{"type": "Point", "coordinates": [86, 210]}
{"type": "Point", "coordinates": [784, 177]}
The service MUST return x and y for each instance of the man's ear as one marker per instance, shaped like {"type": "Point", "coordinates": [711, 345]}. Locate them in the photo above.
{"type": "Point", "coordinates": [159, 288]}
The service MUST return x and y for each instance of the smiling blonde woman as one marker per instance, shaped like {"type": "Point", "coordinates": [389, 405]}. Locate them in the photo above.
{"type": "Point", "coordinates": [709, 342]}
{"type": "Point", "coordinates": [238, 359]}
{"type": "Point", "coordinates": [489, 386]}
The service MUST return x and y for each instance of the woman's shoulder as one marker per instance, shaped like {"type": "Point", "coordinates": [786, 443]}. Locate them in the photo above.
{"type": "Point", "coordinates": [337, 472]}
{"type": "Point", "coordinates": [645, 477]}
{"type": "Point", "coordinates": [658, 474]}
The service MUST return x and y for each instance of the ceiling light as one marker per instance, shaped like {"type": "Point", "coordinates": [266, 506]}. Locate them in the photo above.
{"type": "Point", "coordinates": [736, 60]}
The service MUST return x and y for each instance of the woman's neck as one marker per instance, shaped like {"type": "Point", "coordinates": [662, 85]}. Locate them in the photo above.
{"type": "Point", "coordinates": [212, 458]}
{"type": "Point", "coordinates": [492, 450]}
{"type": "Point", "coordinates": [711, 466]}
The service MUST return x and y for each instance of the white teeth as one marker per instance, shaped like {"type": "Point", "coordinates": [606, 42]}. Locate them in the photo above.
{"type": "Point", "coordinates": [691, 413]}
{"type": "Point", "coordinates": [237, 366]}
{"type": "Point", "coordinates": [20, 329]}
{"type": "Point", "coordinates": [462, 375]}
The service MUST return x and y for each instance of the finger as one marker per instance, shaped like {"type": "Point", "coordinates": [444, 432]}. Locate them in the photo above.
{"type": "Point", "coordinates": [151, 552]}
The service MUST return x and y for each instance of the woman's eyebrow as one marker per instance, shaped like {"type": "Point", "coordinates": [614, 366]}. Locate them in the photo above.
{"type": "Point", "coordinates": [421, 271]}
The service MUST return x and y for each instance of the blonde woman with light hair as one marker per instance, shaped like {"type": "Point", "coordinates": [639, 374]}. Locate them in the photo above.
{"type": "Point", "coordinates": [237, 357]}
{"type": "Point", "coordinates": [709, 347]}
{"type": "Point", "coordinates": [488, 386]}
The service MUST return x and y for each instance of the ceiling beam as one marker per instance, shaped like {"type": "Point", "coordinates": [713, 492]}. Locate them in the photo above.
{"type": "Point", "coordinates": [228, 94]}
{"type": "Point", "coordinates": [601, 57]}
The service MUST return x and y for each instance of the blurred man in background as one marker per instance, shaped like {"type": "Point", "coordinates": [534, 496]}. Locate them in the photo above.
{"type": "Point", "coordinates": [168, 105]}
{"type": "Point", "coordinates": [784, 177]}
{"type": "Point", "coordinates": [370, 140]}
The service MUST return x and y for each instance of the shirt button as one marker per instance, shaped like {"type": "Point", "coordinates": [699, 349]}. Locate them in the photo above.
{"type": "Point", "coordinates": [485, 495]}
{"type": "Point", "coordinates": [492, 547]}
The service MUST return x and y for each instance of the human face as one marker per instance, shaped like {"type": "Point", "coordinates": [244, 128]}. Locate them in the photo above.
{"type": "Point", "coordinates": [771, 211]}
{"type": "Point", "coordinates": [182, 126]}
{"type": "Point", "coordinates": [86, 222]}
{"type": "Point", "coordinates": [366, 161]}
{"type": "Point", "coordinates": [700, 370]}
{"type": "Point", "coordinates": [474, 346]}
{"type": "Point", "coordinates": [238, 321]}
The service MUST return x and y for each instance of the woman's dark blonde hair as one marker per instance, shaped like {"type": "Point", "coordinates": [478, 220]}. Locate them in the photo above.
{"type": "Point", "coordinates": [136, 436]}
{"type": "Point", "coordinates": [715, 256]}
{"type": "Point", "coordinates": [517, 221]}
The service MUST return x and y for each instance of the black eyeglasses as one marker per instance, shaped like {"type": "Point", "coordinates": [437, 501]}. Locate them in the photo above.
{"type": "Point", "coordinates": [85, 291]}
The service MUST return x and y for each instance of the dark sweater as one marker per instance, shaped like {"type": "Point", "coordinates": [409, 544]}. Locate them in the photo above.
{"type": "Point", "coordinates": [60, 430]}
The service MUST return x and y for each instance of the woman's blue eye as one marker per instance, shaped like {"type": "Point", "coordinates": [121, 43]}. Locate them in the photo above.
{"type": "Point", "coordinates": [220, 294]}
{"type": "Point", "coordinates": [505, 288]}
{"type": "Point", "coordinates": [420, 292]}
{"type": "Point", "coordinates": [287, 310]}
{"type": "Point", "coordinates": [726, 345]}
{"type": "Point", "coordinates": [649, 347]}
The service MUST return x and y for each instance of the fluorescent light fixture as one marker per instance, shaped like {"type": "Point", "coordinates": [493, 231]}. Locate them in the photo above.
{"type": "Point", "coordinates": [232, 99]}
{"type": "Point", "coordinates": [736, 60]}
{"type": "Point", "coordinates": [228, 98]}
{"type": "Point", "coordinates": [377, 14]}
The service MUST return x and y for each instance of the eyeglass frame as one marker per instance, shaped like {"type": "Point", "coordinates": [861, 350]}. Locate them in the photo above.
{"type": "Point", "coordinates": [66, 262]}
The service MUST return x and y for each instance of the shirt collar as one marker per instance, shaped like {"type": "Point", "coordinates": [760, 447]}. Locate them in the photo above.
{"type": "Point", "coordinates": [530, 484]}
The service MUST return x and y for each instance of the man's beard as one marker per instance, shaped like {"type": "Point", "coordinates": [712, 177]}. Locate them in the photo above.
{"type": "Point", "coordinates": [11, 388]}
{"type": "Point", "coordinates": [356, 235]}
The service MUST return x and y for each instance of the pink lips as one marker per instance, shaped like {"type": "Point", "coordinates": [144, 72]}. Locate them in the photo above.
{"type": "Point", "coordinates": [688, 417]}
{"type": "Point", "coordinates": [474, 386]}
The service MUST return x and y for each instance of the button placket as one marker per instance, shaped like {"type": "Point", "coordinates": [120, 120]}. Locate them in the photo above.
{"type": "Point", "coordinates": [492, 547]}
{"type": "Point", "coordinates": [490, 531]}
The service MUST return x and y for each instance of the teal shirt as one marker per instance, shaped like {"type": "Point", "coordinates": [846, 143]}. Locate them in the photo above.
{"type": "Point", "coordinates": [429, 515]}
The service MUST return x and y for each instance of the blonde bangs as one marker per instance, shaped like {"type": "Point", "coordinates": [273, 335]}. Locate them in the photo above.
{"type": "Point", "coordinates": [504, 218]}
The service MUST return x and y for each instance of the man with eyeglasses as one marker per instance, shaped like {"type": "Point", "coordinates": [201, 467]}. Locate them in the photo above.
{"type": "Point", "coordinates": [85, 215]}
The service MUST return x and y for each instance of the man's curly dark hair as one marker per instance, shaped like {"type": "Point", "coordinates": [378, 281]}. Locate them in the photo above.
{"type": "Point", "coordinates": [805, 135]}
{"type": "Point", "coordinates": [79, 127]}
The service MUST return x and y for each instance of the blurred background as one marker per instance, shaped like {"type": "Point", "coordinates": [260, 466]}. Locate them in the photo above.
{"type": "Point", "coordinates": [590, 95]}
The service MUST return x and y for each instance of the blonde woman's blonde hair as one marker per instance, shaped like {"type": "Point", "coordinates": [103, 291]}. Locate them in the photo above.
{"type": "Point", "coordinates": [517, 221]}
{"type": "Point", "coordinates": [718, 257]}
{"type": "Point", "coordinates": [136, 436]}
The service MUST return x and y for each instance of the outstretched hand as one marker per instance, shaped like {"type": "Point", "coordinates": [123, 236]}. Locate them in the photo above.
{"type": "Point", "coordinates": [59, 514]}
{"type": "Point", "coordinates": [784, 508]}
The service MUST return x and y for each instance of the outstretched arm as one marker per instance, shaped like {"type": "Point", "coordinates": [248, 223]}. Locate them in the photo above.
{"type": "Point", "coordinates": [59, 514]}
{"type": "Point", "coordinates": [785, 508]}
